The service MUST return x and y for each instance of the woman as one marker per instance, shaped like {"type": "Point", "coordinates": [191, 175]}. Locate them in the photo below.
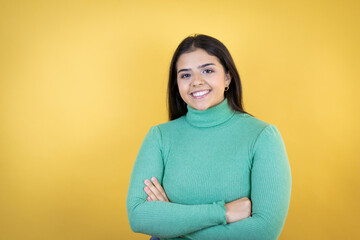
{"type": "Point", "coordinates": [214, 171]}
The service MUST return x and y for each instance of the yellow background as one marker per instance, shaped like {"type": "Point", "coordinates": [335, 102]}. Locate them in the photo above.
{"type": "Point", "coordinates": [81, 82]}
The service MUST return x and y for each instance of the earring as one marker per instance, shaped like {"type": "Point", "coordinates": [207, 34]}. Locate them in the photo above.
{"type": "Point", "coordinates": [226, 88]}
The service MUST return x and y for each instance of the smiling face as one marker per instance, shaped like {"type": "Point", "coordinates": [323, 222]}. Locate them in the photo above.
{"type": "Point", "coordinates": [201, 79]}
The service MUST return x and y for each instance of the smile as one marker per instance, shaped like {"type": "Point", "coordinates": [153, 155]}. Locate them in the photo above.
{"type": "Point", "coordinates": [200, 94]}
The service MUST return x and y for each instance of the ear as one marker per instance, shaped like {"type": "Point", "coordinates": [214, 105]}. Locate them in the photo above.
{"type": "Point", "coordinates": [227, 78]}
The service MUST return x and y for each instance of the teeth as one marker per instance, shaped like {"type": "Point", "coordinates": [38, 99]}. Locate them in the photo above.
{"type": "Point", "coordinates": [198, 94]}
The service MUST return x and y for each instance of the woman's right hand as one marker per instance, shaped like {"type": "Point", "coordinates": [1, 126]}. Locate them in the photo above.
{"type": "Point", "coordinates": [238, 210]}
{"type": "Point", "coordinates": [155, 191]}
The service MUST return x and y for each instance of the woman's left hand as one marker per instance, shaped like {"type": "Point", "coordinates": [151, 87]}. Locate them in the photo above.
{"type": "Point", "coordinates": [155, 191]}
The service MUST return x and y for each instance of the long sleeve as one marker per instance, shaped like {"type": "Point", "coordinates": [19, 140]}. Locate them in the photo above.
{"type": "Point", "coordinates": [270, 194]}
{"type": "Point", "coordinates": [164, 219]}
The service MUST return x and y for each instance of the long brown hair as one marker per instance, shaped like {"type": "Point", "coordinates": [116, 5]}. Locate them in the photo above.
{"type": "Point", "coordinates": [177, 106]}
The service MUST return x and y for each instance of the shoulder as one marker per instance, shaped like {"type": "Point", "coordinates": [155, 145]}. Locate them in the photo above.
{"type": "Point", "coordinates": [257, 129]}
{"type": "Point", "coordinates": [173, 125]}
{"type": "Point", "coordinates": [265, 134]}
{"type": "Point", "coordinates": [160, 134]}
{"type": "Point", "coordinates": [251, 123]}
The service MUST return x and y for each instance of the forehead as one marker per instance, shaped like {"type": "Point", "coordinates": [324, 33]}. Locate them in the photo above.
{"type": "Point", "coordinates": [196, 58]}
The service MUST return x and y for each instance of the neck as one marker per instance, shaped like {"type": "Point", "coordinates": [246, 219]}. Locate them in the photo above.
{"type": "Point", "coordinates": [210, 117]}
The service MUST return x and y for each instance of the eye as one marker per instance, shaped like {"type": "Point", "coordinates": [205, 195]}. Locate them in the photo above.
{"type": "Point", "coordinates": [208, 71]}
{"type": "Point", "coordinates": [185, 75]}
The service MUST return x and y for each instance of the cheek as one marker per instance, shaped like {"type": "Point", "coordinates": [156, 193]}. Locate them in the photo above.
{"type": "Point", "coordinates": [219, 85]}
{"type": "Point", "coordinates": [182, 88]}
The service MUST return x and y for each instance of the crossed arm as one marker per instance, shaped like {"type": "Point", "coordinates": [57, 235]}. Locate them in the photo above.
{"type": "Point", "coordinates": [235, 210]}
{"type": "Point", "coordinates": [270, 198]}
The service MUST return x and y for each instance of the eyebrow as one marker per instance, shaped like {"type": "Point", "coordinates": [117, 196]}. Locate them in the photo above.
{"type": "Point", "coordinates": [201, 66]}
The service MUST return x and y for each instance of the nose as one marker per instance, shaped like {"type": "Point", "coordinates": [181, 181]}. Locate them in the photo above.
{"type": "Point", "coordinates": [197, 80]}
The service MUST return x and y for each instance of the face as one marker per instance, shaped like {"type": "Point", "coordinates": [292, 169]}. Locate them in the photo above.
{"type": "Point", "coordinates": [201, 79]}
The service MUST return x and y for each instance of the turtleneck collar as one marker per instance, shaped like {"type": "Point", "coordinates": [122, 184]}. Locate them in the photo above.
{"type": "Point", "coordinates": [210, 117]}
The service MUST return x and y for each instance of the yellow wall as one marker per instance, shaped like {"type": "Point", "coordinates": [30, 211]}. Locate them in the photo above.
{"type": "Point", "coordinates": [81, 82]}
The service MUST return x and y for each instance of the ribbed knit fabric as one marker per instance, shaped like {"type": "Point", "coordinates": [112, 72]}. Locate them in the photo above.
{"type": "Point", "coordinates": [204, 160]}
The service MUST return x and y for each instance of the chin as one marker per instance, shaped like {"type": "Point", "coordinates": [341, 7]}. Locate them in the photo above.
{"type": "Point", "coordinates": [201, 108]}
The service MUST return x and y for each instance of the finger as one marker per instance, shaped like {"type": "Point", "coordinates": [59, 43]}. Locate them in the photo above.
{"type": "Point", "coordinates": [154, 190]}
{"type": "Point", "coordinates": [159, 187]}
{"type": "Point", "coordinates": [148, 197]}
{"type": "Point", "coordinates": [150, 194]}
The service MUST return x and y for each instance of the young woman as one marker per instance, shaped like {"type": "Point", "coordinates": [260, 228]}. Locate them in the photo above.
{"type": "Point", "coordinates": [213, 171]}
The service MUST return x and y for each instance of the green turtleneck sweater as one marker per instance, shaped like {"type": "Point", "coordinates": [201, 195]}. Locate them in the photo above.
{"type": "Point", "coordinates": [204, 160]}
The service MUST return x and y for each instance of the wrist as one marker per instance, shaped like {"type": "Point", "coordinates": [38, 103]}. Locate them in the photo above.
{"type": "Point", "coordinates": [227, 213]}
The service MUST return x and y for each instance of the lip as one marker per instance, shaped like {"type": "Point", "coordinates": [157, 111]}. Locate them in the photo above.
{"type": "Point", "coordinates": [202, 96]}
